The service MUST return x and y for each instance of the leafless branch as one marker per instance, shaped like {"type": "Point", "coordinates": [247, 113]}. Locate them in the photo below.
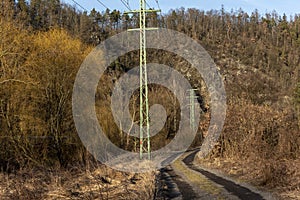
{"type": "Point", "coordinates": [18, 81]}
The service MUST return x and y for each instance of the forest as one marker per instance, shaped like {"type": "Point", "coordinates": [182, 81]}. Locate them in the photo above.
{"type": "Point", "coordinates": [43, 43]}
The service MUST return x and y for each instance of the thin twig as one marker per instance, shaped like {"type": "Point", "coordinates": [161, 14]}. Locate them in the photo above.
{"type": "Point", "coordinates": [18, 81]}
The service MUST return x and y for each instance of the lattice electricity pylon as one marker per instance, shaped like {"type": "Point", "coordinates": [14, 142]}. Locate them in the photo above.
{"type": "Point", "coordinates": [192, 98]}
{"type": "Point", "coordinates": [144, 103]}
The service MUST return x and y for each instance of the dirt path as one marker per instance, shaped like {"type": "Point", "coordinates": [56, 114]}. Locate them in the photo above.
{"type": "Point", "coordinates": [187, 181]}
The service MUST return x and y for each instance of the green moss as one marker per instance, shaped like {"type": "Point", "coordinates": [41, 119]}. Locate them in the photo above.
{"type": "Point", "coordinates": [197, 179]}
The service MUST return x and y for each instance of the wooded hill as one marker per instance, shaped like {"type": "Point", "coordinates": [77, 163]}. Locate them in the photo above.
{"type": "Point", "coordinates": [44, 42]}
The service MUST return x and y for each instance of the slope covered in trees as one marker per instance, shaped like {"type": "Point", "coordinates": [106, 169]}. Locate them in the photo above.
{"type": "Point", "coordinates": [44, 42]}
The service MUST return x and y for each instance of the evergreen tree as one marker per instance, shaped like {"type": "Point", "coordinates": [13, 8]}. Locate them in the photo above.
{"type": "Point", "coordinates": [36, 14]}
{"type": "Point", "coordinates": [22, 10]}
{"type": "Point", "coordinates": [85, 28]}
{"type": "Point", "coordinates": [54, 12]}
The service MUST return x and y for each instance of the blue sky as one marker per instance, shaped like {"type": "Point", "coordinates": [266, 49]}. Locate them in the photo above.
{"type": "Point", "coordinates": [290, 7]}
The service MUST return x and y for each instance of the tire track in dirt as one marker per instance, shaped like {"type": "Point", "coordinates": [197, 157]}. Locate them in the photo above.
{"type": "Point", "coordinates": [189, 191]}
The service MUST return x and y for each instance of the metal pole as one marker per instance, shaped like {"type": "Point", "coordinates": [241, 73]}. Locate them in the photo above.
{"type": "Point", "coordinates": [144, 103]}
{"type": "Point", "coordinates": [192, 97]}
{"type": "Point", "coordinates": [144, 106]}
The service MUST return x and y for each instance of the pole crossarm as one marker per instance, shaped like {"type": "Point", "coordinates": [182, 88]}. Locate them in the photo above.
{"type": "Point", "coordinates": [147, 29]}
{"type": "Point", "coordinates": [138, 11]}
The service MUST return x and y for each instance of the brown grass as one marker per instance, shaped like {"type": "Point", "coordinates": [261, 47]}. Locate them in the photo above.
{"type": "Point", "coordinates": [260, 144]}
{"type": "Point", "coordinates": [99, 183]}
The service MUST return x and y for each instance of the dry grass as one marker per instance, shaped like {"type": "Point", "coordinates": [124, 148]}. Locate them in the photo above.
{"type": "Point", "coordinates": [280, 177]}
{"type": "Point", "coordinates": [99, 183]}
{"type": "Point", "coordinates": [260, 145]}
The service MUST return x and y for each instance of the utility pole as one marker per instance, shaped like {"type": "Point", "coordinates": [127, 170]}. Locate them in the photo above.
{"type": "Point", "coordinates": [174, 106]}
{"type": "Point", "coordinates": [192, 98]}
{"type": "Point", "coordinates": [144, 103]}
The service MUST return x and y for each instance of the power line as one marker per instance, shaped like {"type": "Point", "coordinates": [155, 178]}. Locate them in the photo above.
{"type": "Point", "coordinates": [79, 5]}
{"type": "Point", "coordinates": [157, 4]}
{"type": "Point", "coordinates": [147, 4]}
{"type": "Point", "coordinates": [126, 4]}
{"type": "Point", "coordinates": [103, 4]}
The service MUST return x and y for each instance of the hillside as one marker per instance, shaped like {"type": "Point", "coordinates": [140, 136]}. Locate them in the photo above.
{"type": "Point", "coordinates": [43, 43]}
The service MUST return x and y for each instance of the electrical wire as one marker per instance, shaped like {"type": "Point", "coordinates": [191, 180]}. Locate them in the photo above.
{"type": "Point", "coordinates": [103, 4]}
{"type": "Point", "coordinates": [160, 14]}
{"type": "Point", "coordinates": [157, 3]}
{"type": "Point", "coordinates": [147, 4]}
{"type": "Point", "coordinates": [126, 4]}
{"type": "Point", "coordinates": [79, 5]}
